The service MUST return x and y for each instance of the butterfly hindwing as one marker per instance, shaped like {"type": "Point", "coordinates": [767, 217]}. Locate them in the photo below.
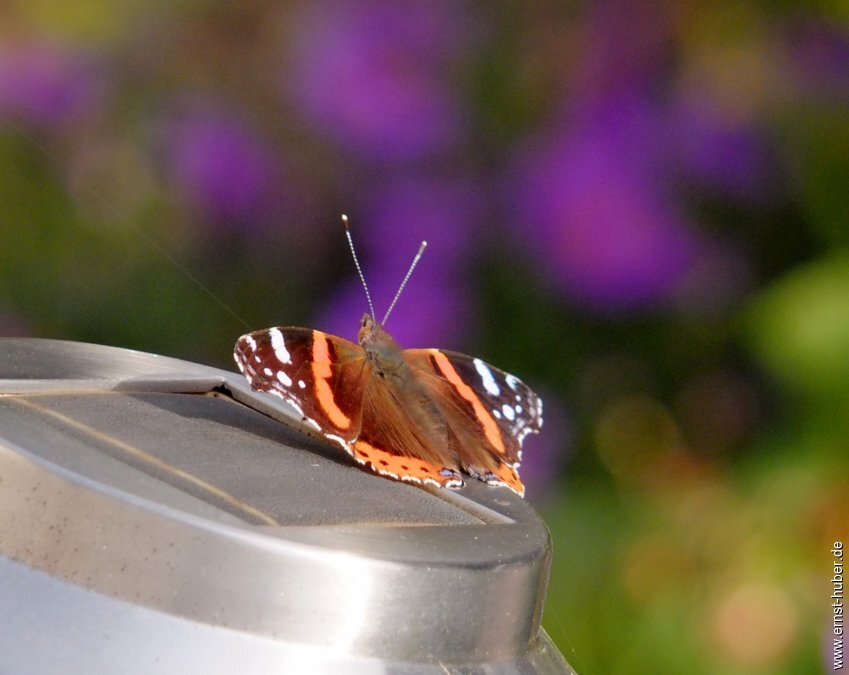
{"type": "Point", "coordinates": [490, 411]}
{"type": "Point", "coordinates": [401, 434]}
{"type": "Point", "coordinates": [404, 467]}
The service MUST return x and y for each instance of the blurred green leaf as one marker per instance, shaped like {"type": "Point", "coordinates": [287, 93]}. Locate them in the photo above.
{"type": "Point", "coordinates": [799, 327]}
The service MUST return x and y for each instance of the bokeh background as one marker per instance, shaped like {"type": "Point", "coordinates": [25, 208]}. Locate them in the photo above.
{"type": "Point", "coordinates": [640, 208]}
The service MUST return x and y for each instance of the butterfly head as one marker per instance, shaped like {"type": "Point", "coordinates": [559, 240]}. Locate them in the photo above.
{"type": "Point", "coordinates": [381, 350]}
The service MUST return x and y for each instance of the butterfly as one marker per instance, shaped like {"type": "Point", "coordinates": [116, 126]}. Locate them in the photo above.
{"type": "Point", "coordinates": [425, 416]}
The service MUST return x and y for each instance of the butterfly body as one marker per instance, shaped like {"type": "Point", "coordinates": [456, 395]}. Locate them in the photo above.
{"type": "Point", "coordinates": [383, 353]}
{"type": "Point", "coordinates": [418, 415]}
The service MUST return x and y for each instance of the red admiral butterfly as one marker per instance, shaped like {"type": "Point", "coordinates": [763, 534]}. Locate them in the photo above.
{"type": "Point", "coordinates": [415, 415]}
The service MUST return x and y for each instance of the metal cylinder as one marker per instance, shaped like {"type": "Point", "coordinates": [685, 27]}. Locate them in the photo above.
{"type": "Point", "coordinates": [158, 516]}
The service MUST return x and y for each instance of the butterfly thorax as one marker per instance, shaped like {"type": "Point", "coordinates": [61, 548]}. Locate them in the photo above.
{"type": "Point", "coordinates": [383, 353]}
{"type": "Point", "coordinates": [419, 426]}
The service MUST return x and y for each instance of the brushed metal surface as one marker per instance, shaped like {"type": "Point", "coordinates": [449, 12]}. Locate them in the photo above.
{"type": "Point", "coordinates": [158, 492]}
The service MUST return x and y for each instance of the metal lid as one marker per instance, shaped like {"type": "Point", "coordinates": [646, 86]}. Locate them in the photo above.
{"type": "Point", "coordinates": [158, 509]}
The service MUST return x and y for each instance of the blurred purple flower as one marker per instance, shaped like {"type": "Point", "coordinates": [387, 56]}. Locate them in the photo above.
{"type": "Point", "coordinates": [222, 167]}
{"type": "Point", "coordinates": [405, 210]}
{"type": "Point", "coordinates": [594, 214]}
{"type": "Point", "coordinates": [47, 86]}
{"type": "Point", "coordinates": [720, 153]}
{"type": "Point", "coordinates": [375, 75]}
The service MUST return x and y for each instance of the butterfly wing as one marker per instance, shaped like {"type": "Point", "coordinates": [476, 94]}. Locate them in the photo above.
{"type": "Point", "coordinates": [490, 412]}
{"type": "Point", "coordinates": [328, 380]}
{"type": "Point", "coordinates": [319, 375]}
{"type": "Point", "coordinates": [403, 437]}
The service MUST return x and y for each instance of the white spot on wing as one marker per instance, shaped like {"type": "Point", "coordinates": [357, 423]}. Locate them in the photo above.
{"type": "Point", "coordinates": [509, 413]}
{"type": "Point", "coordinates": [496, 414]}
{"type": "Point", "coordinates": [486, 375]}
{"type": "Point", "coordinates": [285, 380]}
{"type": "Point", "coordinates": [279, 346]}
{"type": "Point", "coordinates": [268, 371]}
{"type": "Point", "coordinates": [302, 384]}
{"type": "Point", "coordinates": [513, 381]}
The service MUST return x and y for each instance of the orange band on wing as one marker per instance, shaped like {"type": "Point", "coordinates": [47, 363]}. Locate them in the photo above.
{"type": "Point", "coordinates": [510, 477]}
{"type": "Point", "coordinates": [490, 428]}
{"type": "Point", "coordinates": [321, 372]}
{"type": "Point", "coordinates": [405, 468]}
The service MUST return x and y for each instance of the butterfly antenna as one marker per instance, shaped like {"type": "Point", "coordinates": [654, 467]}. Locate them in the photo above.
{"type": "Point", "coordinates": [357, 264]}
{"type": "Point", "coordinates": [406, 279]}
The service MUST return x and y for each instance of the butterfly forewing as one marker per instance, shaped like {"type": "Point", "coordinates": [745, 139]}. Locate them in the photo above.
{"type": "Point", "coordinates": [320, 375]}
{"type": "Point", "coordinates": [502, 408]}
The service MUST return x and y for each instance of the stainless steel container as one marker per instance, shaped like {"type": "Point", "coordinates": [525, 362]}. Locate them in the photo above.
{"type": "Point", "coordinates": [157, 516]}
